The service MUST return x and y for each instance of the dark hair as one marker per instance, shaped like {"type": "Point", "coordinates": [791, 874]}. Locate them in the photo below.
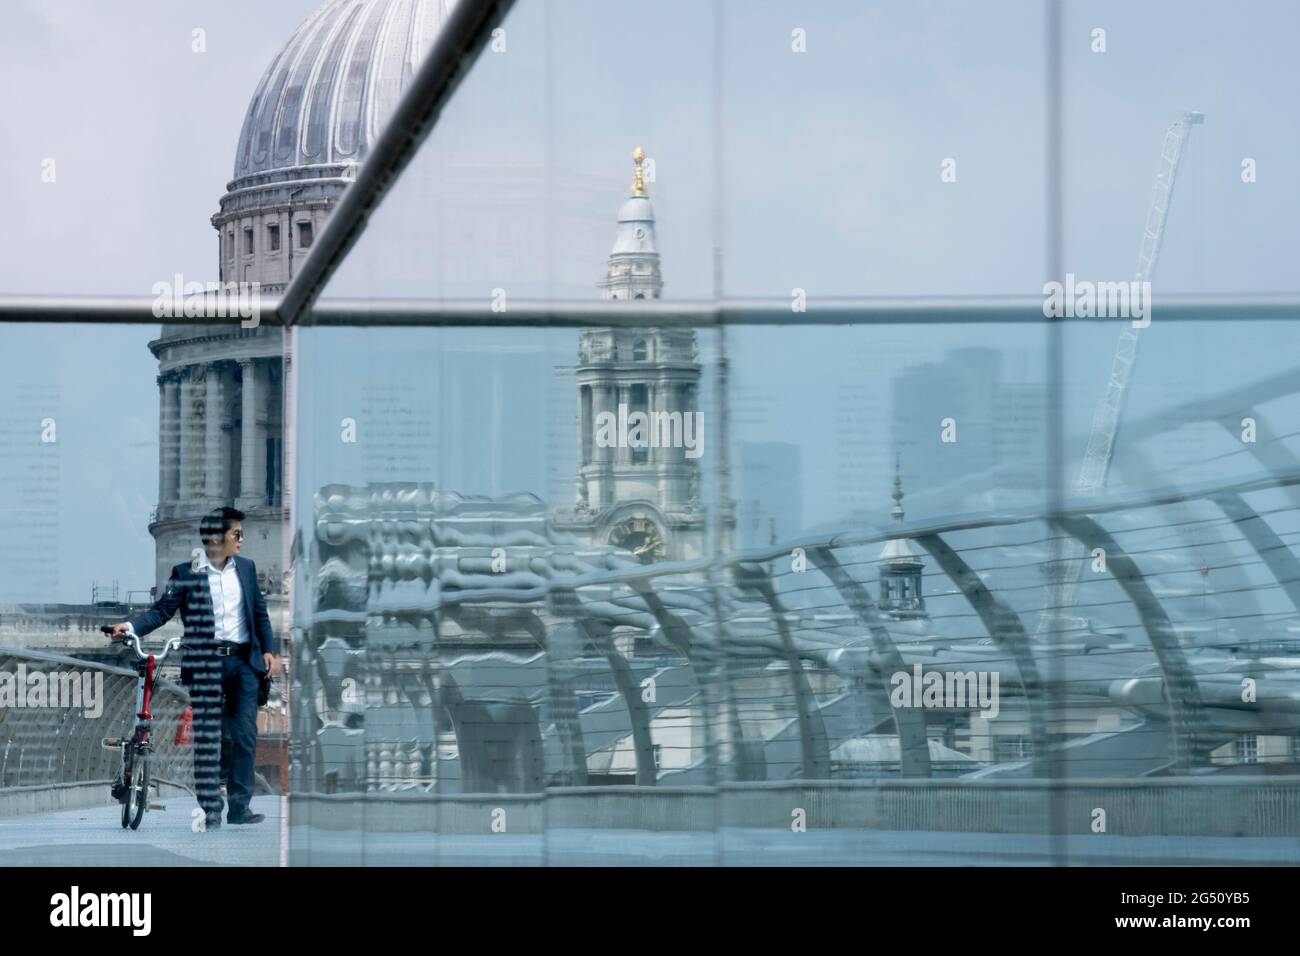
{"type": "Point", "coordinates": [217, 523]}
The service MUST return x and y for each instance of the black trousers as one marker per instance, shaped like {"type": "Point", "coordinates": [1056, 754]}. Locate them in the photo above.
{"type": "Point", "coordinates": [224, 698]}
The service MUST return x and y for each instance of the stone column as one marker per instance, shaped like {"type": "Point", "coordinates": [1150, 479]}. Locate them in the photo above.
{"type": "Point", "coordinates": [249, 494]}
{"type": "Point", "coordinates": [658, 395]}
{"type": "Point", "coordinates": [659, 456]}
{"type": "Point", "coordinates": [601, 395]}
{"type": "Point", "coordinates": [622, 395]}
{"type": "Point", "coordinates": [265, 384]}
{"type": "Point", "coordinates": [586, 438]}
{"type": "Point", "coordinates": [164, 442]}
{"type": "Point", "coordinates": [187, 387]}
{"type": "Point", "coordinates": [692, 483]}
{"type": "Point", "coordinates": [585, 446]}
{"type": "Point", "coordinates": [676, 487]}
{"type": "Point", "coordinates": [213, 466]}
{"type": "Point", "coordinates": [285, 422]}
{"type": "Point", "coordinates": [171, 441]}
{"type": "Point", "coordinates": [666, 391]}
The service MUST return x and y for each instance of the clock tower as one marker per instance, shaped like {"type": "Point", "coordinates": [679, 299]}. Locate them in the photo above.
{"type": "Point", "coordinates": [641, 436]}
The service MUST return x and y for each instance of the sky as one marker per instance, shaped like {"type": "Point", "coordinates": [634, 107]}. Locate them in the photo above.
{"type": "Point", "coordinates": [818, 170]}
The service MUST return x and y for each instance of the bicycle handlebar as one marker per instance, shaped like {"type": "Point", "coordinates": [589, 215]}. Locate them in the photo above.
{"type": "Point", "coordinates": [132, 640]}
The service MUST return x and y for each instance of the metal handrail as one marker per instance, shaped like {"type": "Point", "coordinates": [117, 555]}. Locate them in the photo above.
{"type": "Point", "coordinates": [557, 313]}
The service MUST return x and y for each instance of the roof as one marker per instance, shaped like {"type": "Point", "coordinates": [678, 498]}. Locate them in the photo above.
{"type": "Point", "coordinates": [326, 95]}
{"type": "Point", "coordinates": [900, 551]}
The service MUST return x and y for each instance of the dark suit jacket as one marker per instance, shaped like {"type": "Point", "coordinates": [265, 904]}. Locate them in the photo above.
{"type": "Point", "coordinates": [187, 591]}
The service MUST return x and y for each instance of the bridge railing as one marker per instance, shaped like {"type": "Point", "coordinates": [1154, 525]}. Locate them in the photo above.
{"type": "Point", "coordinates": [55, 712]}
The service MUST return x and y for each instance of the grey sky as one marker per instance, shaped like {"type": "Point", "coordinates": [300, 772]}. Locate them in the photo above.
{"type": "Point", "coordinates": [830, 183]}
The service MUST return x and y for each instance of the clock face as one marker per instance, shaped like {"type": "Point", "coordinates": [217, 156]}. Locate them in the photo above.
{"type": "Point", "coordinates": [639, 535]}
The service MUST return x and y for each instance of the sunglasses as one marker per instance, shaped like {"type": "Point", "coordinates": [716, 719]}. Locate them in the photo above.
{"type": "Point", "coordinates": [239, 535]}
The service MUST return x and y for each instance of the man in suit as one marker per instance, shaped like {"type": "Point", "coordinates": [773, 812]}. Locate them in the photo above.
{"type": "Point", "coordinates": [229, 647]}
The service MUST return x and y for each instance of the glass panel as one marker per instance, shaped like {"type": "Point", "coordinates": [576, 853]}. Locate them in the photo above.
{"type": "Point", "coordinates": [447, 500]}
{"type": "Point", "coordinates": [452, 648]}
{"type": "Point", "coordinates": [766, 659]}
{"type": "Point", "coordinates": [113, 175]}
{"type": "Point", "coordinates": [1200, 587]}
{"type": "Point", "coordinates": [669, 595]}
{"type": "Point", "coordinates": [117, 442]}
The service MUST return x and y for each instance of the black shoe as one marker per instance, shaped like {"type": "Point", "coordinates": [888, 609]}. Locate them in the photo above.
{"type": "Point", "coordinates": [238, 819]}
{"type": "Point", "coordinates": [212, 821]}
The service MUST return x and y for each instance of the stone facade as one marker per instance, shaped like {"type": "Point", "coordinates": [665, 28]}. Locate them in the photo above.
{"type": "Point", "coordinates": [646, 500]}
{"type": "Point", "coordinates": [226, 392]}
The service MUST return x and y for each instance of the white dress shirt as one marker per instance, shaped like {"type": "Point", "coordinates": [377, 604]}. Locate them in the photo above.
{"type": "Point", "coordinates": [227, 601]}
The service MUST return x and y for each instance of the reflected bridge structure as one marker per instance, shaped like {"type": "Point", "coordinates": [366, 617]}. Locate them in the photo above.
{"type": "Point", "coordinates": [463, 669]}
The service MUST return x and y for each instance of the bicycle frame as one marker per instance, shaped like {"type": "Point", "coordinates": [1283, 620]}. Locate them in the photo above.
{"type": "Point", "coordinates": [131, 788]}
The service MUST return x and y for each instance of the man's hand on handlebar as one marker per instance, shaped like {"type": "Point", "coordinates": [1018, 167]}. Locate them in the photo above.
{"type": "Point", "coordinates": [116, 631]}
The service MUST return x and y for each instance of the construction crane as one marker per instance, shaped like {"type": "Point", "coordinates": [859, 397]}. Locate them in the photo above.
{"type": "Point", "coordinates": [1105, 420]}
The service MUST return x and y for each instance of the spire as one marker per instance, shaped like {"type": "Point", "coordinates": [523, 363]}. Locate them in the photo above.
{"type": "Point", "coordinates": [898, 490]}
{"type": "Point", "coordinates": [899, 553]}
{"type": "Point", "coordinates": [638, 181]}
{"type": "Point", "coordinates": [633, 268]}
{"type": "Point", "coordinates": [901, 565]}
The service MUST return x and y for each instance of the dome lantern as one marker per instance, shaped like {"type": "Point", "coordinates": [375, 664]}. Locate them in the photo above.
{"type": "Point", "coordinates": [901, 566]}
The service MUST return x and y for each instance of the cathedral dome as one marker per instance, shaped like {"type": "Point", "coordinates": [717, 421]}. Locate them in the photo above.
{"type": "Point", "coordinates": [325, 97]}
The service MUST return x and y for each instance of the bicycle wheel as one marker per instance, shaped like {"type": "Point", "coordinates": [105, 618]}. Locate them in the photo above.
{"type": "Point", "coordinates": [137, 792]}
{"type": "Point", "coordinates": [124, 786]}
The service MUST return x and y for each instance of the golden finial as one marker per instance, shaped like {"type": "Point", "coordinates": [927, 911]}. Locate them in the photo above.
{"type": "Point", "coordinates": [638, 183]}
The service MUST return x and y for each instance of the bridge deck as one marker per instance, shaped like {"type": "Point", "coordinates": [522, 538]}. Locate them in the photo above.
{"type": "Point", "coordinates": [93, 837]}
